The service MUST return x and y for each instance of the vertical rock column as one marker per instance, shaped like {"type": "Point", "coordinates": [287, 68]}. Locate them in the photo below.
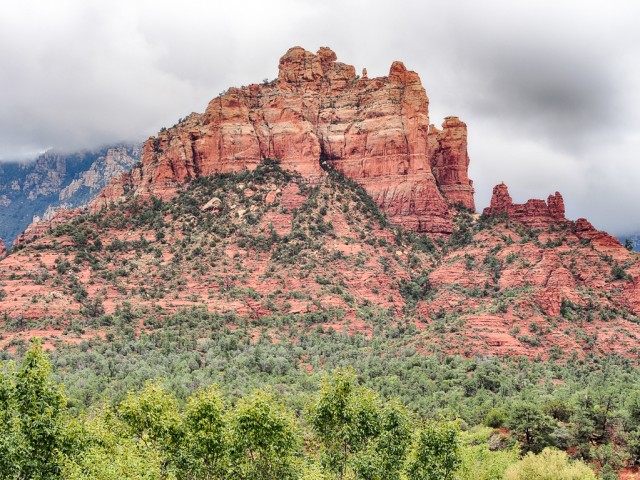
{"type": "Point", "coordinates": [450, 161]}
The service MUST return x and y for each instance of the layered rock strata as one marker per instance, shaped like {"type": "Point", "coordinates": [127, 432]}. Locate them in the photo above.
{"type": "Point", "coordinates": [535, 213]}
{"type": "Point", "coordinates": [319, 115]}
{"type": "Point", "coordinates": [449, 161]}
{"type": "Point", "coordinates": [40, 227]}
{"type": "Point", "coordinates": [538, 214]}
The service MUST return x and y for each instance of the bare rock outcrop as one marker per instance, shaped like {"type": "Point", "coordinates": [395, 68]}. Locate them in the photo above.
{"type": "Point", "coordinates": [40, 227]}
{"type": "Point", "coordinates": [318, 115]}
{"type": "Point", "coordinates": [538, 214]}
{"type": "Point", "coordinates": [114, 163]}
{"type": "Point", "coordinates": [450, 161]}
{"type": "Point", "coordinates": [535, 213]}
{"type": "Point", "coordinates": [601, 241]}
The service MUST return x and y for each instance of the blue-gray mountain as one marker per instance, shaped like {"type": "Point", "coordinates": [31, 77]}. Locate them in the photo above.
{"type": "Point", "coordinates": [634, 239]}
{"type": "Point", "coordinates": [54, 180]}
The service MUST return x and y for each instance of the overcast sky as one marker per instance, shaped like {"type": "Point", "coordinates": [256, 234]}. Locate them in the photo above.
{"type": "Point", "coordinates": [550, 89]}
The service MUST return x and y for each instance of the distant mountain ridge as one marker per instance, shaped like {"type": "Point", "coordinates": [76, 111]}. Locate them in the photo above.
{"type": "Point", "coordinates": [54, 180]}
{"type": "Point", "coordinates": [635, 240]}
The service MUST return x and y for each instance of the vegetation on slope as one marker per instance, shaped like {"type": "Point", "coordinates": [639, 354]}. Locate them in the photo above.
{"type": "Point", "coordinates": [345, 432]}
{"type": "Point", "coordinates": [257, 281]}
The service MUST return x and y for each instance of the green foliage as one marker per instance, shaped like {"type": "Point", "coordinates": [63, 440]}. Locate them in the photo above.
{"type": "Point", "coordinates": [263, 439]}
{"type": "Point", "coordinates": [619, 273]}
{"type": "Point", "coordinates": [204, 445]}
{"type": "Point", "coordinates": [463, 231]}
{"type": "Point", "coordinates": [384, 456]}
{"type": "Point", "coordinates": [113, 455]}
{"type": "Point", "coordinates": [33, 433]}
{"type": "Point", "coordinates": [152, 416]}
{"type": "Point", "coordinates": [415, 289]}
{"type": "Point", "coordinates": [550, 464]}
{"type": "Point", "coordinates": [532, 425]}
{"type": "Point", "coordinates": [494, 266]}
{"type": "Point", "coordinates": [352, 433]}
{"type": "Point", "coordinates": [496, 418]}
{"type": "Point", "coordinates": [345, 418]}
{"type": "Point", "coordinates": [479, 460]}
{"type": "Point", "coordinates": [435, 454]}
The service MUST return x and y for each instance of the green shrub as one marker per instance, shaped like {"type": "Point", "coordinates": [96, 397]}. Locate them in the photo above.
{"type": "Point", "coordinates": [550, 464]}
{"type": "Point", "coordinates": [435, 454]}
{"type": "Point", "coordinates": [496, 418]}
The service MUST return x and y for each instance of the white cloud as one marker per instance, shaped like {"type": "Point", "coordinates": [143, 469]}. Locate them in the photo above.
{"type": "Point", "coordinates": [550, 90]}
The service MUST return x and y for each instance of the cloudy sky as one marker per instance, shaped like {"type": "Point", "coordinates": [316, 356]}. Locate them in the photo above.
{"type": "Point", "coordinates": [550, 89]}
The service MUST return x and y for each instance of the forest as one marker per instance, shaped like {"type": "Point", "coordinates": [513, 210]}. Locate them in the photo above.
{"type": "Point", "coordinates": [503, 422]}
{"type": "Point", "coordinates": [345, 430]}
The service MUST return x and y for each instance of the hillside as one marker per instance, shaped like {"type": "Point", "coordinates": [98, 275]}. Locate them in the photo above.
{"type": "Point", "coordinates": [54, 180]}
{"type": "Point", "coordinates": [264, 244]}
{"type": "Point", "coordinates": [319, 223]}
{"type": "Point", "coordinates": [380, 229]}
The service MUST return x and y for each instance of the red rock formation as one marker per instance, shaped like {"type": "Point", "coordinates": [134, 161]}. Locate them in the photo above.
{"type": "Point", "coordinates": [534, 213]}
{"type": "Point", "coordinates": [40, 228]}
{"type": "Point", "coordinates": [601, 241]}
{"type": "Point", "coordinates": [538, 214]}
{"type": "Point", "coordinates": [3, 249]}
{"type": "Point", "coordinates": [450, 162]}
{"type": "Point", "coordinates": [319, 114]}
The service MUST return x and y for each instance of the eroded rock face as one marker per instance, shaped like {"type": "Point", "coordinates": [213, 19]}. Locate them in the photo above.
{"type": "Point", "coordinates": [319, 115]}
{"type": "Point", "coordinates": [538, 214]}
{"type": "Point", "coordinates": [3, 249]}
{"type": "Point", "coordinates": [449, 161]}
{"type": "Point", "coordinates": [601, 241]}
{"type": "Point", "coordinates": [115, 162]}
{"type": "Point", "coordinates": [534, 213]}
{"type": "Point", "coordinates": [39, 228]}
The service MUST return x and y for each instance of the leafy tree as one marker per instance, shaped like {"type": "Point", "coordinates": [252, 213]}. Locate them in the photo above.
{"type": "Point", "coordinates": [632, 425]}
{"type": "Point", "coordinates": [481, 460]}
{"type": "Point", "coordinates": [594, 418]}
{"type": "Point", "coordinates": [384, 457]}
{"type": "Point", "coordinates": [532, 426]}
{"type": "Point", "coordinates": [610, 459]}
{"type": "Point", "coordinates": [618, 273]}
{"type": "Point", "coordinates": [151, 415]}
{"type": "Point", "coordinates": [204, 446]}
{"type": "Point", "coordinates": [495, 418]}
{"type": "Point", "coordinates": [263, 439]}
{"type": "Point", "coordinates": [112, 454]}
{"type": "Point", "coordinates": [558, 409]}
{"type": "Point", "coordinates": [436, 452]}
{"type": "Point", "coordinates": [550, 464]}
{"type": "Point", "coordinates": [345, 418]}
{"type": "Point", "coordinates": [12, 442]}
{"type": "Point", "coordinates": [33, 432]}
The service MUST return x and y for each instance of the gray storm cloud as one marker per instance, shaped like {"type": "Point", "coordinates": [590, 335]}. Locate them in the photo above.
{"type": "Point", "coordinates": [550, 90]}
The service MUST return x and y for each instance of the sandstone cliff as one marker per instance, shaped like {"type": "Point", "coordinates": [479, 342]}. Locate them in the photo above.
{"type": "Point", "coordinates": [534, 213]}
{"type": "Point", "coordinates": [3, 249]}
{"type": "Point", "coordinates": [40, 227]}
{"type": "Point", "coordinates": [319, 115]}
{"type": "Point", "coordinates": [450, 162]}
{"type": "Point", "coordinates": [538, 214]}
